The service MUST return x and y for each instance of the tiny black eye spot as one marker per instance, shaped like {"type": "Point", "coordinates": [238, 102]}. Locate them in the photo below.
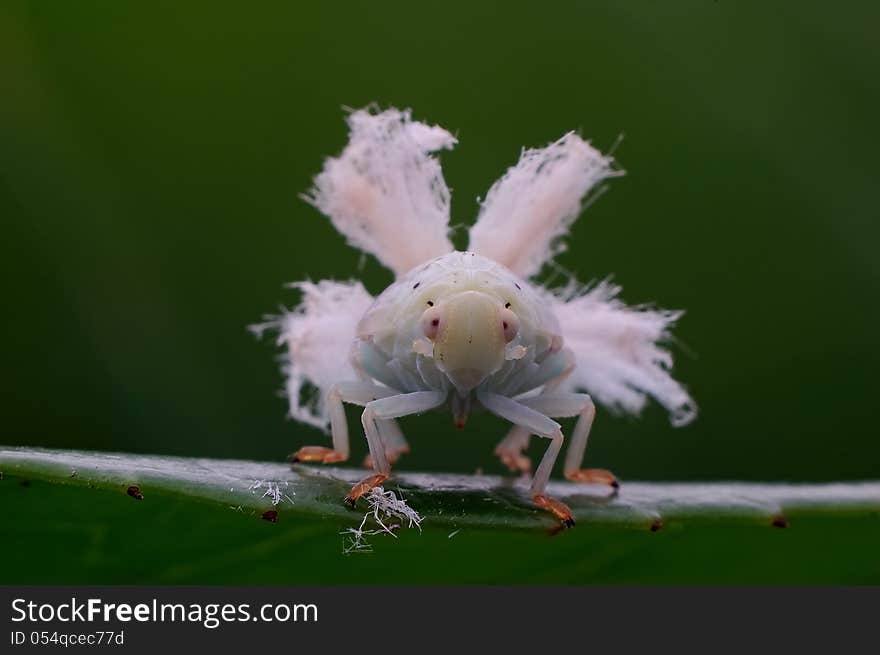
{"type": "Point", "coordinates": [507, 306]}
{"type": "Point", "coordinates": [430, 303]}
{"type": "Point", "coordinates": [416, 285]}
{"type": "Point", "coordinates": [517, 286]}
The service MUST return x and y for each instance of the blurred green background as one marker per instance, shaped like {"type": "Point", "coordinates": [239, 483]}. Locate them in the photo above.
{"type": "Point", "coordinates": [151, 157]}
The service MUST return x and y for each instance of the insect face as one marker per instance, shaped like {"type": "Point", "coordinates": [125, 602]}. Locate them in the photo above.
{"type": "Point", "coordinates": [469, 330]}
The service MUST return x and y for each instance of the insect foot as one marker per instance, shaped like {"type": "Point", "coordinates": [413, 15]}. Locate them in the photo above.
{"type": "Point", "coordinates": [514, 460]}
{"type": "Point", "coordinates": [317, 454]}
{"type": "Point", "coordinates": [559, 509]}
{"type": "Point", "coordinates": [363, 487]}
{"type": "Point", "coordinates": [594, 476]}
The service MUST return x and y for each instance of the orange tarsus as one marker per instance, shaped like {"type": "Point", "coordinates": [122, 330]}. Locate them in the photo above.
{"type": "Point", "coordinates": [514, 460]}
{"type": "Point", "coordinates": [317, 454]}
{"type": "Point", "coordinates": [363, 487]}
{"type": "Point", "coordinates": [594, 476]}
{"type": "Point", "coordinates": [556, 507]}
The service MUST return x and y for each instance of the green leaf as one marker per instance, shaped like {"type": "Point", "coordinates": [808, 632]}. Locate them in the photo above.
{"type": "Point", "coordinates": [483, 526]}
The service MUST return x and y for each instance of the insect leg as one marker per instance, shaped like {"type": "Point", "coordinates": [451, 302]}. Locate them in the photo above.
{"type": "Point", "coordinates": [543, 426]}
{"type": "Point", "coordinates": [551, 373]}
{"type": "Point", "coordinates": [356, 393]}
{"type": "Point", "coordinates": [389, 408]}
{"type": "Point", "coordinates": [392, 437]}
{"type": "Point", "coordinates": [560, 405]}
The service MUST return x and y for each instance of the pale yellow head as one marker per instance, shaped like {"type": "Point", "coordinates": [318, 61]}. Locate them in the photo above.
{"type": "Point", "coordinates": [469, 331]}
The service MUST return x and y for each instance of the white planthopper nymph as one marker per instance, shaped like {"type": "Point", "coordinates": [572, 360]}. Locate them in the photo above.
{"type": "Point", "coordinates": [463, 329]}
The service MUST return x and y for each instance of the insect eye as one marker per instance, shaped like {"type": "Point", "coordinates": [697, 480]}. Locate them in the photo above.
{"type": "Point", "coordinates": [509, 324]}
{"type": "Point", "coordinates": [431, 322]}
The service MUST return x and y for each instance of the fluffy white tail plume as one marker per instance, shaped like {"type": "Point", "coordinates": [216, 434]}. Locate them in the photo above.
{"type": "Point", "coordinates": [619, 359]}
{"type": "Point", "coordinates": [317, 336]}
{"type": "Point", "coordinates": [385, 192]}
{"type": "Point", "coordinates": [529, 209]}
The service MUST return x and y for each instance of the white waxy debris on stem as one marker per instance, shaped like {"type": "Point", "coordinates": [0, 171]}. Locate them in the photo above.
{"type": "Point", "coordinates": [355, 538]}
{"type": "Point", "coordinates": [272, 490]}
{"type": "Point", "coordinates": [383, 506]}
{"type": "Point", "coordinates": [386, 504]}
